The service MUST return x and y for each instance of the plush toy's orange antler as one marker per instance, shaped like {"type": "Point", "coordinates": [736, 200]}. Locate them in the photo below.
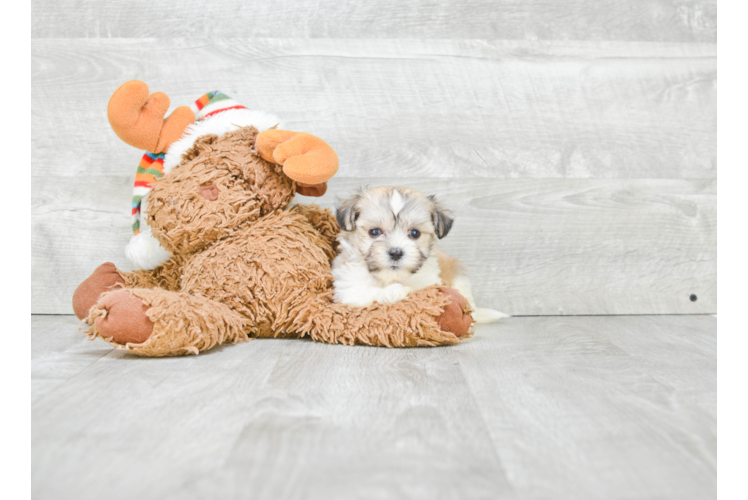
{"type": "Point", "coordinates": [137, 117]}
{"type": "Point", "coordinates": [307, 159]}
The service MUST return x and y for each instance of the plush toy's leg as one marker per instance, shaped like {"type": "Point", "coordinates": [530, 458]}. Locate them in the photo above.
{"type": "Point", "coordinates": [107, 277]}
{"type": "Point", "coordinates": [428, 317]}
{"type": "Point", "coordinates": [163, 323]}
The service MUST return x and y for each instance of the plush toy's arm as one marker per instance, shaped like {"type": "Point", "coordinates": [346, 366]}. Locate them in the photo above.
{"type": "Point", "coordinates": [431, 316]}
{"type": "Point", "coordinates": [324, 221]}
{"type": "Point", "coordinates": [165, 276]}
{"type": "Point", "coordinates": [307, 159]}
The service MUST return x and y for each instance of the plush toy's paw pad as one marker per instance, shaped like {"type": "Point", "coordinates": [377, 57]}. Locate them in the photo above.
{"type": "Point", "coordinates": [124, 319]}
{"type": "Point", "coordinates": [455, 318]}
{"type": "Point", "coordinates": [104, 279]}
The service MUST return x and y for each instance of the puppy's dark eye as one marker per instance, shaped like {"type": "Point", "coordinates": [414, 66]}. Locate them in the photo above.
{"type": "Point", "coordinates": [414, 233]}
{"type": "Point", "coordinates": [375, 232]}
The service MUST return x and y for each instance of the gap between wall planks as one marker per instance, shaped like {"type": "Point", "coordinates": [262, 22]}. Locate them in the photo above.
{"type": "Point", "coordinates": [532, 246]}
{"type": "Point", "coordinates": [405, 108]}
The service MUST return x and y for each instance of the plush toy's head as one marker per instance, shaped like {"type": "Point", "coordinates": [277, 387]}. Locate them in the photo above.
{"type": "Point", "coordinates": [220, 184]}
{"type": "Point", "coordinates": [207, 170]}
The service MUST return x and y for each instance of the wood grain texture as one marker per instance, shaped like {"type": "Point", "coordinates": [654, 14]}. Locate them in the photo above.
{"type": "Point", "coordinates": [731, 242]}
{"type": "Point", "coordinates": [59, 352]}
{"type": "Point", "coordinates": [405, 108]}
{"type": "Point", "coordinates": [638, 20]}
{"type": "Point", "coordinates": [532, 246]}
{"type": "Point", "coordinates": [547, 407]}
{"type": "Point", "coordinates": [730, 95]}
{"type": "Point", "coordinates": [559, 394]}
{"type": "Point", "coordinates": [730, 407]}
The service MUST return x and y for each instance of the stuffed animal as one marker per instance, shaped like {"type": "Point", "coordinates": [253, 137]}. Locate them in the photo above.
{"type": "Point", "coordinates": [222, 255]}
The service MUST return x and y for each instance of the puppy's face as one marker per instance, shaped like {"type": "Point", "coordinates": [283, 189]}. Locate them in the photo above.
{"type": "Point", "coordinates": [392, 229]}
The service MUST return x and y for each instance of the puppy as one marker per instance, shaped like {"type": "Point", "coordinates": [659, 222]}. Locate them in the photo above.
{"type": "Point", "coordinates": [387, 248]}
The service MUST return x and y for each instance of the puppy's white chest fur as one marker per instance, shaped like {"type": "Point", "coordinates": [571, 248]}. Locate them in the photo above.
{"type": "Point", "coordinates": [355, 285]}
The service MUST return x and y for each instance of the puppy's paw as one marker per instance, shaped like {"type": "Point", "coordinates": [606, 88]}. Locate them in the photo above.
{"type": "Point", "coordinates": [394, 293]}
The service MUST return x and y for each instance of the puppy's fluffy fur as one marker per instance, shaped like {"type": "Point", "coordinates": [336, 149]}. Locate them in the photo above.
{"type": "Point", "coordinates": [387, 248]}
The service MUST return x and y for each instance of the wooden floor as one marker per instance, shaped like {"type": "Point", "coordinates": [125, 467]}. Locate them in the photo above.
{"type": "Point", "coordinates": [535, 407]}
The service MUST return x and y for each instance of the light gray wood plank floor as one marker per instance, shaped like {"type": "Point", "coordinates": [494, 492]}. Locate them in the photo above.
{"type": "Point", "coordinates": [730, 407]}
{"type": "Point", "coordinates": [534, 407]}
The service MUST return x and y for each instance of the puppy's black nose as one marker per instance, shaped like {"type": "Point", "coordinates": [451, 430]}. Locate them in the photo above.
{"type": "Point", "coordinates": [395, 253]}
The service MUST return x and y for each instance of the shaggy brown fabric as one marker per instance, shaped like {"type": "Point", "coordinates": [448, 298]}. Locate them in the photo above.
{"type": "Point", "coordinates": [245, 266]}
{"type": "Point", "coordinates": [104, 278]}
{"type": "Point", "coordinates": [248, 188]}
{"type": "Point", "coordinates": [166, 276]}
{"type": "Point", "coordinates": [409, 323]}
{"type": "Point", "coordinates": [181, 324]}
{"type": "Point", "coordinates": [324, 221]}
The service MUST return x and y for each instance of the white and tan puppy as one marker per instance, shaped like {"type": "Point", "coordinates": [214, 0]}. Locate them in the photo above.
{"type": "Point", "coordinates": [387, 248]}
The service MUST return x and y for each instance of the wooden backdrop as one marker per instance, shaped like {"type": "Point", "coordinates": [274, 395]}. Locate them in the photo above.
{"type": "Point", "coordinates": [574, 140]}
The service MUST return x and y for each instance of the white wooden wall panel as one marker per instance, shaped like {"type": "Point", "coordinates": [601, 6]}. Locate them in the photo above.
{"type": "Point", "coordinates": [731, 244]}
{"type": "Point", "coordinates": [576, 140]}
{"type": "Point", "coordinates": [533, 246]}
{"type": "Point", "coordinates": [405, 108]}
{"type": "Point", "coordinates": [632, 20]}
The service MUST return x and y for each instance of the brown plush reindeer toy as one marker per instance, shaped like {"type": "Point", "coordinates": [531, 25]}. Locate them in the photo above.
{"type": "Point", "coordinates": [222, 255]}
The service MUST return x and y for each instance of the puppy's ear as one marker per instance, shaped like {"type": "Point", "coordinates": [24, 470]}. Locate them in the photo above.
{"type": "Point", "coordinates": [441, 217]}
{"type": "Point", "coordinates": [347, 212]}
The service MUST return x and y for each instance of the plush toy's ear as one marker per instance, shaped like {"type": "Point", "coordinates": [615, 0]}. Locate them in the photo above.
{"type": "Point", "coordinates": [441, 217]}
{"type": "Point", "coordinates": [347, 212]}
